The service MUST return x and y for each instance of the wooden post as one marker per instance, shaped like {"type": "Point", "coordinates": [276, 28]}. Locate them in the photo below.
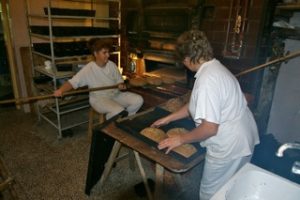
{"type": "Point", "coordinates": [10, 50]}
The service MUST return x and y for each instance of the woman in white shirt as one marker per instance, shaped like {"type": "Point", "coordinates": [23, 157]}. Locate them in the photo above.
{"type": "Point", "coordinates": [224, 123]}
{"type": "Point", "coordinates": [100, 73]}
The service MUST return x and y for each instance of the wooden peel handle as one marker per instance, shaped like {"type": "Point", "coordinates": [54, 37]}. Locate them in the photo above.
{"type": "Point", "coordinates": [48, 96]}
{"type": "Point", "coordinates": [29, 99]}
{"type": "Point", "coordinates": [281, 59]}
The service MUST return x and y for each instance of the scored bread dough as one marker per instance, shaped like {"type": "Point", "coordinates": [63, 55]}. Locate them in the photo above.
{"type": "Point", "coordinates": [152, 80]}
{"type": "Point", "coordinates": [185, 150]}
{"type": "Point", "coordinates": [176, 131]}
{"type": "Point", "coordinates": [157, 135]}
{"type": "Point", "coordinates": [154, 134]}
{"type": "Point", "coordinates": [138, 82]}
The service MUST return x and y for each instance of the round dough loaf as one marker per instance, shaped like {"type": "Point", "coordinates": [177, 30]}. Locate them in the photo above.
{"type": "Point", "coordinates": [154, 134]}
{"type": "Point", "coordinates": [154, 80]}
{"type": "Point", "coordinates": [137, 82]}
{"type": "Point", "coordinates": [185, 150]}
{"type": "Point", "coordinates": [168, 80]}
{"type": "Point", "coordinates": [173, 105]}
{"type": "Point", "coordinates": [186, 98]}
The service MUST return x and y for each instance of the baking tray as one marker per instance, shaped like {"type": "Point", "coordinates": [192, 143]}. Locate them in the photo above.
{"type": "Point", "coordinates": [134, 126]}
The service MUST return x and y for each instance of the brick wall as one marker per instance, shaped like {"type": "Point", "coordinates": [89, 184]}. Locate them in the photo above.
{"type": "Point", "coordinates": [256, 35]}
{"type": "Point", "coordinates": [215, 21]}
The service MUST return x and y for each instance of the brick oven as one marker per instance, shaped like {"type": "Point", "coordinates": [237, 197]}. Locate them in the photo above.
{"type": "Point", "coordinates": [151, 31]}
{"type": "Point", "coordinates": [150, 28]}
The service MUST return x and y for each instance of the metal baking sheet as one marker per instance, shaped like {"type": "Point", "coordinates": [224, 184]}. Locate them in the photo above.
{"type": "Point", "coordinates": [134, 126]}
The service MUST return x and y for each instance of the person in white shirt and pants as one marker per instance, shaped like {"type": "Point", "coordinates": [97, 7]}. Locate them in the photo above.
{"type": "Point", "coordinates": [224, 123]}
{"type": "Point", "coordinates": [100, 73]}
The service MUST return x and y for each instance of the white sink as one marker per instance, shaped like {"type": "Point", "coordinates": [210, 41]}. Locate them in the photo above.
{"type": "Point", "coordinates": [254, 183]}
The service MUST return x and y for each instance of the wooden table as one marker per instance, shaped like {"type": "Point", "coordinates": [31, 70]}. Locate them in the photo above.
{"type": "Point", "coordinates": [161, 159]}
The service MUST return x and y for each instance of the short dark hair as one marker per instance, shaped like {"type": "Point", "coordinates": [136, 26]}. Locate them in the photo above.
{"type": "Point", "coordinates": [96, 44]}
{"type": "Point", "coordinates": [194, 44]}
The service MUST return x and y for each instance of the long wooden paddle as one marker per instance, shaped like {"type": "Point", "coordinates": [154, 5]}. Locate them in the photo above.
{"type": "Point", "coordinates": [29, 99]}
{"type": "Point", "coordinates": [48, 96]}
{"type": "Point", "coordinates": [281, 59]}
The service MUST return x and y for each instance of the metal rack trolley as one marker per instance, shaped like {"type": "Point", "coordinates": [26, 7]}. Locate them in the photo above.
{"type": "Point", "coordinates": [61, 108]}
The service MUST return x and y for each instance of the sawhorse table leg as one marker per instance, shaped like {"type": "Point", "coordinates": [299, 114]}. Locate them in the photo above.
{"type": "Point", "coordinates": [159, 172]}
{"type": "Point", "coordinates": [143, 174]}
{"type": "Point", "coordinates": [108, 166]}
{"type": "Point", "coordinates": [111, 160]}
{"type": "Point", "coordinates": [159, 180]}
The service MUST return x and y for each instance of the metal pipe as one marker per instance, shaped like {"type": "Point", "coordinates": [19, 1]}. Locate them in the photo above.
{"type": "Point", "coordinates": [286, 146]}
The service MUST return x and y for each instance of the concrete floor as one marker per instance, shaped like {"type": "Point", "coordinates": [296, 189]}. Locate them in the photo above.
{"type": "Point", "coordinates": [47, 168]}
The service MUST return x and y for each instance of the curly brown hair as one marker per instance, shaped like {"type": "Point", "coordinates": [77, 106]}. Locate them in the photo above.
{"type": "Point", "coordinates": [195, 45]}
{"type": "Point", "coordinates": [96, 44]}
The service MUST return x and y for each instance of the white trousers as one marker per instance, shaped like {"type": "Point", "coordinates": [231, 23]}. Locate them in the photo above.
{"type": "Point", "coordinates": [113, 105]}
{"type": "Point", "coordinates": [217, 172]}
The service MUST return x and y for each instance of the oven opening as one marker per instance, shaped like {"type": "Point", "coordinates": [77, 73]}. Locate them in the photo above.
{"type": "Point", "coordinates": [154, 65]}
{"type": "Point", "coordinates": [170, 70]}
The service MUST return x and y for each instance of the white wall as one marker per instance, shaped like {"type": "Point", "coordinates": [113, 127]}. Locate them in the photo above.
{"type": "Point", "coordinates": [284, 120]}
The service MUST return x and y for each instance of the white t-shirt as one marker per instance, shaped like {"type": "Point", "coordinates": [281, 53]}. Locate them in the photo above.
{"type": "Point", "coordinates": [92, 75]}
{"type": "Point", "coordinates": [217, 98]}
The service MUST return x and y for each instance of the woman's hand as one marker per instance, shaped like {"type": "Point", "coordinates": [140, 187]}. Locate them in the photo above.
{"type": "Point", "coordinates": [122, 86]}
{"type": "Point", "coordinates": [58, 93]}
{"type": "Point", "coordinates": [160, 122]}
{"type": "Point", "coordinates": [180, 114]}
{"type": "Point", "coordinates": [170, 143]}
{"type": "Point", "coordinates": [64, 88]}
